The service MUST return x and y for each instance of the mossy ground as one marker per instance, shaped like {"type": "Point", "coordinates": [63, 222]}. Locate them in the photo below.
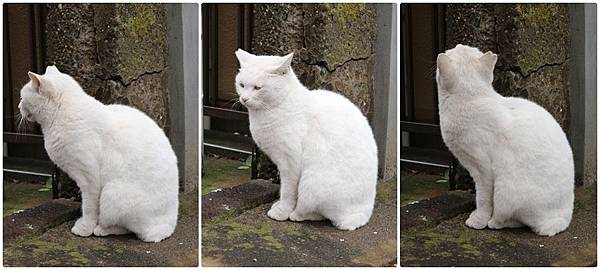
{"type": "Point", "coordinates": [416, 186]}
{"type": "Point", "coordinates": [59, 247]}
{"type": "Point", "coordinates": [253, 239]}
{"type": "Point", "coordinates": [223, 173]}
{"type": "Point", "coordinates": [451, 243]}
{"type": "Point", "coordinates": [23, 195]}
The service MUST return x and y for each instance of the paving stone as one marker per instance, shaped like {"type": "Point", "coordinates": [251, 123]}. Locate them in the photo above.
{"type": "Point", "coordinates": [38, 219]}
{"type": "Point", "coordinates": [236, 199]}
{"type": "Point", "coordinates": [434, 210]}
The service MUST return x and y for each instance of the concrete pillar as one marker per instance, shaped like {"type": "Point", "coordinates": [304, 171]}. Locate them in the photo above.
{"type": "Point", "coordinates": [583, 81]}
{"type": "Point", "coordinates": [385, 97]}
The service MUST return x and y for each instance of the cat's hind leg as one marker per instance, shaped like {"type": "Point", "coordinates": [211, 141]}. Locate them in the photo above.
{"type": "Point", "coordinates": [156, 233]}
{"type": "Point", "coordinates": [305, 206]}
{"type": "Point", "coordinates": [503, 210]}
{"type": "Point", "coordinates": [110, 230]}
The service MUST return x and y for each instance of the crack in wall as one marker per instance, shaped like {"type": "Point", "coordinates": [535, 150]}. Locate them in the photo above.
{"type": "Point", "coordinates": [119, 79]}
{"type": "Point", "coordinates": [323, 63]}
{"type": "Point", "coordinates": [517, 69]}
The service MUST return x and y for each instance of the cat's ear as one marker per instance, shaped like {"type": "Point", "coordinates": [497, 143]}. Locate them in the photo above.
{"type": "Point", "coordinates": [488, 60]}
{"type": "Point", "coordinates": [39, 84]}
{"type": "Point", "coordinates": [243, 57]}
{"type": "Point", "coordinates": [36, 81]}
{"type": "Point", "coordinates": [444, 63]}
{"type": "Point", "coordinates": [286, 64]}
{"type": "Point", "coordinates": [52, 70]}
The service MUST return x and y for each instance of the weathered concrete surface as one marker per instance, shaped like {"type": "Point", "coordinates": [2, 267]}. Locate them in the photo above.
{"type": "Point", "coordinates": [117, 53]}
{"type": "Point", "coordinates": [253, 239]}
{"type": "Point", "coordinates": [532, 43]}
{"type": "Point", "coordinates": [36, 220]}
{"type": "Point", "coordinates": [234, 200]}
{"type": "Point", "coordinates": [59, 247]}
{"type": "Point", "coordinates": [432, 211]}
{"type": "Point", "coordinates": [451, 243]}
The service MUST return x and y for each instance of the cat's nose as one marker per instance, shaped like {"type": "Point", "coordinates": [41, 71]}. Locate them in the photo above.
{"type": "Point", "coordinates": [244, 99]}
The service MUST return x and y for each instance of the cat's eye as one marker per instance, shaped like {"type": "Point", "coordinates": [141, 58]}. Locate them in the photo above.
{"type": "Point", "coordinates": [241, 85]}
{"type": "Point", "coordinates": [256, 87]}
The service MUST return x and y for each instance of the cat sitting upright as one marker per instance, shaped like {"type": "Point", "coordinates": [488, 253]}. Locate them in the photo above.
{"type": "Point", "coordinates": [517, 154]}
{"type": "Point", "coordinates": [321, 143]}
{"type": "Point", "coordinates": [120, 158]}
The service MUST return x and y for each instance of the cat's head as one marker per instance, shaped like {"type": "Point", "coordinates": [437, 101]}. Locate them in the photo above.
{"type": "Point", "coordinates": [261, 80]}
{"type": "Point", "coordinates": [464, 63]}
{"type": "Point", "coordinates": [43, 93]}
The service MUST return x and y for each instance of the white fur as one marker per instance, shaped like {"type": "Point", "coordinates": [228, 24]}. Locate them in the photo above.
{"type": "Point", "coordinates": [121, 160]}
{"type": "Point", "coordinates": [320, 141]}
{"type": "Point", "coordinates": [515, 151]}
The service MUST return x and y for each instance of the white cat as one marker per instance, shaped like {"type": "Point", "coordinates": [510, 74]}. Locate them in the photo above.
{"type": "Point", "coordinates": [320, 141]}
{"type": "Point", "coordinates": [515, 151]}
{"type": "Point", "coordinates": [121, 160]}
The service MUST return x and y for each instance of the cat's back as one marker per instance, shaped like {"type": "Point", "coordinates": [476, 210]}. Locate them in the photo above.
{"type": "Point", "coordinates": [339, 121]}
{"type": "Point", "coordinates": [132, 131]}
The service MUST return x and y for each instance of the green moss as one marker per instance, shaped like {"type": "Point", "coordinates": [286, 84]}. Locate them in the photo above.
{"type": "Point", "coordinates": [213, 232]}
{"type": "Point", "coordinates": [343, 12]}
{"type": "Point", "coordinates": [43, 248]}
{"type": "Point", "coordinates": [433, 241]}
{"type": "Point", "coordinates": [136, 19]}
{"type": "Point", "coordinates": [23, 195]}
{"type": "Point", "coordinates": [416, 187]}
{"type": "Point", "coordinates": [543, 32]}
{"type": "Point", "coordinates": [537, 15]}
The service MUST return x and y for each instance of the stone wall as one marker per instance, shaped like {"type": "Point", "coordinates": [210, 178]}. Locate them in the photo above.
{"type": "Point", "coordinates": [532, 43]}
{"type": "Point", "coordinates": [333, 45]}
{"type": "Point", "coordinates": [117, 52]}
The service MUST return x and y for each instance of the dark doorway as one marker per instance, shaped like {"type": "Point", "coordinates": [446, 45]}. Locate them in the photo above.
{"type": "Point", "coordinates": [24, 26]}
{"type": "Point", "coordinates": [225, 28]}
{"type": "Point", "coordinates": [422, 38]}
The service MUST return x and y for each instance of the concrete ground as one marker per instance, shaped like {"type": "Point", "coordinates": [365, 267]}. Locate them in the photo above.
{"type": "Point", "coordinates": [57, 246]}
{"type": "Point", "coordinates": [253, 239]}
{"type": "Point", "coordinates": [448, 242]}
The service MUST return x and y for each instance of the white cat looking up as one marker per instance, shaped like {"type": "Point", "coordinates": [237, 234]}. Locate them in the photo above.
{"type": "Point", "coordinates": [321, 143]}
{"type": "Point", "coordinates": [517, 154]}
{"type": "Point", "coordinates": [120, 158]}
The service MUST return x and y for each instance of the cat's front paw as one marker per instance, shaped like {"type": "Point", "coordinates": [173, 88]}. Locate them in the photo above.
{"type": "Point", "coordinates": [279, 211]}
{"type": "Point", "coordinates": [83, 227]}
{"type": "Point", "coordinates": [477, 220]}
